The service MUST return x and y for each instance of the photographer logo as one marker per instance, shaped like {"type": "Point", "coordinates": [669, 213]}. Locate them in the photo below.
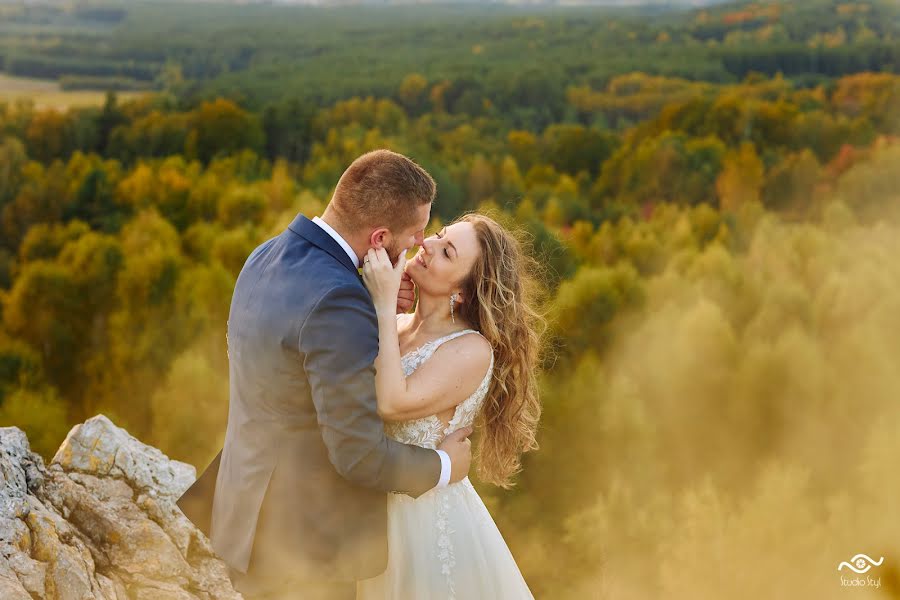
{"type": "Point", "coordinates": [860, 564]}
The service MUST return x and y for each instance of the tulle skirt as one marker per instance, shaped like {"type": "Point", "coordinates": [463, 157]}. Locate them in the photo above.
{"type": "Point", "coordinates": [444, 545]}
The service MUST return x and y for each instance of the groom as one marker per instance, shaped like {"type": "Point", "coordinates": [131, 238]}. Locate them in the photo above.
{"type": "Point", "coordinates": [298, 493]}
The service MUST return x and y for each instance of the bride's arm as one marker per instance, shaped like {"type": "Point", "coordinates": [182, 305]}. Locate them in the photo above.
{"type": "Point", "coordinates": [450, 376]}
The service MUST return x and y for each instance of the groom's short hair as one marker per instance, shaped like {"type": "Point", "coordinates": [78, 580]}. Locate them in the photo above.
{"type": "Point", "coordinates": [382, 188]}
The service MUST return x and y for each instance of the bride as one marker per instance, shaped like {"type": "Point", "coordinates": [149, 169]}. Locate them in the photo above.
{"type": "Point", "coordinates": [466, 355]}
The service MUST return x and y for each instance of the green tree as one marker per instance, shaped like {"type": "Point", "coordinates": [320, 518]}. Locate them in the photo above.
{"type": "Point", "coordinates": [585, 306]}
{"type": "Point", "coordinates": [221, 127]}
{"type": "Point", "coordinates": [12, 165]}
{"type": "Point", "coordinates": [43, 309]}
{"type": "Point", "coordinates": [41, 414]}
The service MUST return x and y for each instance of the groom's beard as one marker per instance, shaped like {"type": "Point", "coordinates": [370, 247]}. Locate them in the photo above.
{"type": "Point", "coordinates": [393, 253]}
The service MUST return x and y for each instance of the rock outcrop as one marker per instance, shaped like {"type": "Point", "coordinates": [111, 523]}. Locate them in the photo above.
{"type": "Point", "coordinates": [100, 522]}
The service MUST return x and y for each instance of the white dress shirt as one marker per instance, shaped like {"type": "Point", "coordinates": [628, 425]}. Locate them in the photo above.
{"type": "Point", "coordinates": [337, 237]}
{"type": "Point", "coordinates": [445, 458]}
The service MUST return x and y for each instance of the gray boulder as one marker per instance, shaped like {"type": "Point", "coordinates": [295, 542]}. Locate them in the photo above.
{"type": "Point", "coordinates": [100, 522]}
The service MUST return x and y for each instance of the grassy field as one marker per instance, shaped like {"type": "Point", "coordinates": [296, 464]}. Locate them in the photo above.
{"type": "Point", "coordinates": [48, 94]}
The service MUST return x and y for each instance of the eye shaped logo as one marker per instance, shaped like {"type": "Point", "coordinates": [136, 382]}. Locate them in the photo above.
{"type": "Point", "coordinates": [861, 563]}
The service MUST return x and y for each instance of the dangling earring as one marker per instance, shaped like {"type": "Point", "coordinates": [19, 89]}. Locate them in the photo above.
{"type": "Point", "coordinates": [453, 298]}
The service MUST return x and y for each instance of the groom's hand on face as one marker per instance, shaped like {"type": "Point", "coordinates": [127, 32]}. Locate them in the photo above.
{"type": "Point", "coordinates": [459, 448]}
{"type": "Point", "coordinates": [407, 295]}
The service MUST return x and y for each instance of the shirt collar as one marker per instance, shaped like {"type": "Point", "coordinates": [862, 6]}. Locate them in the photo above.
{"type": "Point", "coordinates": [337, 237]}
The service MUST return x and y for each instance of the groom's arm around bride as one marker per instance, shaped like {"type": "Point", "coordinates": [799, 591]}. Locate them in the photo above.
{"type": "Point", "coordinates": [340, 342]}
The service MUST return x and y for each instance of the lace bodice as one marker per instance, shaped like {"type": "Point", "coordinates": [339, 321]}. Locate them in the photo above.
{"type": "Point", "coordinates": [429, 432]}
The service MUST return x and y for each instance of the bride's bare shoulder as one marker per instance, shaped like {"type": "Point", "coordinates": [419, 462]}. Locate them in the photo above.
{"type": "Point", "coordinates": [470, 349]}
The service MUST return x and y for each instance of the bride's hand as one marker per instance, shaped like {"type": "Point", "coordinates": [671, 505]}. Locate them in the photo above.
{"type": "Point", "coordinates": [383, 278]}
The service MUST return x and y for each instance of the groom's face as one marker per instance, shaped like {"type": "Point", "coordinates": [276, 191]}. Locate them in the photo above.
{"type": "Point", "coordinates": [410, 237]}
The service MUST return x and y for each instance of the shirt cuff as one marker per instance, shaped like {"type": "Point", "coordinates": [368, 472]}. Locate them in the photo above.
{"type": "Point", "coordinates": [445, 468]}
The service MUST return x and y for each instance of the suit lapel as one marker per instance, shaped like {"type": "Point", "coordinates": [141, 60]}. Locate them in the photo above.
{"type": "Point", "coordinates": [310, 231]}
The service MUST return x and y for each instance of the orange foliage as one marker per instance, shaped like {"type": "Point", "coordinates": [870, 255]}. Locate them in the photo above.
{"type": "Point", "coordinates": [738, 17]}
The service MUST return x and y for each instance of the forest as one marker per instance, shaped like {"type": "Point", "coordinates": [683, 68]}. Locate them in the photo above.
{"type": "Point", "coordinates": [715, 194]}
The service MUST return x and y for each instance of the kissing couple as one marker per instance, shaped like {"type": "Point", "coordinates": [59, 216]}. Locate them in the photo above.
{"type": "Point", "coordinates": [344, 472]}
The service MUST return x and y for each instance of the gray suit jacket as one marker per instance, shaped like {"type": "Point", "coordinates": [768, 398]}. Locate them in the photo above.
{"type": "Point", "coordinates": [299, 488]}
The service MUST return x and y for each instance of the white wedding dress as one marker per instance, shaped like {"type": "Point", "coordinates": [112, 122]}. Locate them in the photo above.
{"type": "Point", "coordinates": [443, 544]}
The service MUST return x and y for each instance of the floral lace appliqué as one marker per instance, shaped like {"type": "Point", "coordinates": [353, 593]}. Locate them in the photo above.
{"type": "Point", "coordinates": [445, 544]}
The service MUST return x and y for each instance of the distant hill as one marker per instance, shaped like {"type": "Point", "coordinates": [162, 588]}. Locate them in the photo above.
{"type": "Point", "coordinates": [672, 3]}
{"type": "Point", "coordinates": [487, 56]}
{"type": "Point", "coordinates": [687, 4]}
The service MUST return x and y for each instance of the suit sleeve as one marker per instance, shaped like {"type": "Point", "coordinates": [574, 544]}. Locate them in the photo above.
{"type": "Point", "coordinates": [339, 343]}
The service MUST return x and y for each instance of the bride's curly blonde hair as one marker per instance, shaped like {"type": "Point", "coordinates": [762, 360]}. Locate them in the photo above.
{"type": "Point", "coordinates": [502, 292]}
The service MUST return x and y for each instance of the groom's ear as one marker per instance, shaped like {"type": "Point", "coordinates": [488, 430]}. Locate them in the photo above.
{"type": "Point", "coordinates": [379, 238]}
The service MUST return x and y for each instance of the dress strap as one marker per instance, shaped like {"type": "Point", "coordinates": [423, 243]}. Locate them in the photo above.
{"type": "Point", "coordinates": [452, 336]}
{"type": "Point", "coordinates": [428, 348]}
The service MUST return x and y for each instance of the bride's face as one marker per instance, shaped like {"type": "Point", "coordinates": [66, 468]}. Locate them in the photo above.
{"type": "Point", "coordinates": [444, 260]}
